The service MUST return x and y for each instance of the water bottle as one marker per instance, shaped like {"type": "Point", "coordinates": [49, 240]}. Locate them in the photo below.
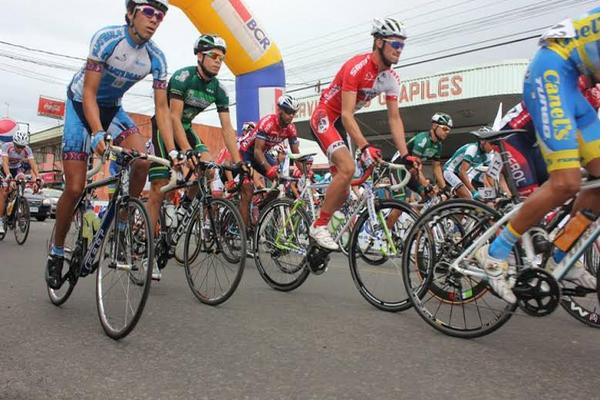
{"type": "Point", "coordinates": [336, 221]}
{"type": "Point", "coordinates": [170, 216]}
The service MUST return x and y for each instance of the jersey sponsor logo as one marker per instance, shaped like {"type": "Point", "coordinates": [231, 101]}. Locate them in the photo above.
{"type": "Point", "coordinates": [121, 57]}
{"type": "Point", "coordinates": [553, 114]}
{"type": "Point", "coordinates": [359, 66]}
{"type": "Point", "coordinates": [182, 76]}
{"type": "Point", "coordinates": [323, 125]}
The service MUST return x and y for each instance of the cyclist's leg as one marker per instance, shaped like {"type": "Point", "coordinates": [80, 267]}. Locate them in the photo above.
{"type": "Point", "coordinates": [131, 138]}
{"type": "Point", "coordinates": [158, 176]}
{"type": "Point", "coordinates": [456, 184]}
{"type": "Point", "coordinates": [197, 145]}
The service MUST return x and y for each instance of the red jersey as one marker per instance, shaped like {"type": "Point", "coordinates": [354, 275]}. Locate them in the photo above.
{"type": "Point", "coordinates": [269, 130]}
{"type": "Point", "coordinates": [223, 156]}
{"type": "Point", "coordinates": [361, 75]}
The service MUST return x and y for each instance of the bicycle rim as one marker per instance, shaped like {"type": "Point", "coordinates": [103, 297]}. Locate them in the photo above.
{"type": "Point", "coordinates": [22, 220]}
{"type": "Point", "coordinates": [125, 270]}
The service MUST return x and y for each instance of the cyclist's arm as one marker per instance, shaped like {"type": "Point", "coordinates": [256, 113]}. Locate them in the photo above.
{"type": "Point", "coordinates": [295, 148]}
{"type": "Point", "coordinates": [5, 166]}
{"type": "Point", "coordinates": [34, 168]}
{"type": "Point", "coordinates": [438, 174]}
{"type": "Point", "coordinates": [229, 136]}
{"type": "Point", "coordinates": [464, 176]}
{"type": "Point", "coordinates": [91, 83]}
{"type": "Point", "coordinates": [396, 126]}
{"type": "Point", "coordinates": [163, 117]}
{"type": "Point", "coordinates": [348, 120]}
{"type": "Point", "coordinates": [259, 153]}
{"type": "Point", "coordinates": [176, 106]}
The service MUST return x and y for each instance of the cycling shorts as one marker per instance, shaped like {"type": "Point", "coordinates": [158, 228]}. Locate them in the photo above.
{"type": "Point", "coordinates": [158, 171]}
{"type": "Point", "coordinates": [328, 130]}
{"type": "Point", "coordinates": [77, 132]}
{"type": "Point", "coordinates": [248, 156]}
{"type": "Point", "coordinates": [568, 128]}
{"type": "Point", "coordinates": [526, 163]}
{"type": "Point", "coordinates": [452, 179]}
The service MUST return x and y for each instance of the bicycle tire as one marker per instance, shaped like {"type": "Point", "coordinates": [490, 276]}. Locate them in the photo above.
{"type": "Point", "coordinates": [74, 249]}
{"type": "Point", "coordinates": [22, 218]}
{"type": "Point", "coordinates": [110, 271]}
{"type": "Point", "coordinates": [218, 240]}
{"type": "Point", "coordinates": [464, 301]}
{"type": "Point", "coordinates": [282, 275]}
{"type": "Point", "coordinates": [371, 270]}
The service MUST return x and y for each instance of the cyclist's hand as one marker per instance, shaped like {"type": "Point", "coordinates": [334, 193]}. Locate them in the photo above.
{"type": "Point", "coordinates": [369, 155]}
{"type": "Point", "coordinates": [272, 172]}
{"type": "Point", "coordinates": [177, 159]}
{"type": "Point", "coordinates": [410, 161]}
{"type": "Point", "coordinates": [230, 186]}
{"type": "Point", "coordinates": [98, 144]}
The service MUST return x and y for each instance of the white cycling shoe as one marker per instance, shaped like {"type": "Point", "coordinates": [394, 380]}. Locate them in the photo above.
{"type": "Point", "coordinates": [156, 274]}
{"type": "Point", "coordinates": [496, 271]}
{"type": "Point", "coordinates": [578, 274]}
{"type": "Point", "coordinates": [321, 235]}
{"type": "Point", "coordinates": [2, 227]}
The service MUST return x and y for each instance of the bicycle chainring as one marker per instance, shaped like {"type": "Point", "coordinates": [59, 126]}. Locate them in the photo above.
{"type": "Point", "coordinates": [317, 259]}
{"type": "Point", "coordinates": [538, 293]}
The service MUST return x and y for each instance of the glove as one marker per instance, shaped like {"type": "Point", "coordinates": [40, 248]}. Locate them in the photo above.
{"type": "Point", "coordinates": [476, 195]}
{"type": "Point", "coordinates": [272, 172]}
{"type": "Point", "coordinates": [593, 96]}
{"type": "Point", "coordinates": [409, 161]}
{"type": "Point", "coordinates": [369, 155]}
{"type": "Point", "coordinates": [230, 186]}
{"type": "Point", "coordinates": [97, 138]}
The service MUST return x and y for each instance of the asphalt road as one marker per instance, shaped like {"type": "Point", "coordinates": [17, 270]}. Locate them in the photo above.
{"type": "Point", "coordinates": [322, 341]}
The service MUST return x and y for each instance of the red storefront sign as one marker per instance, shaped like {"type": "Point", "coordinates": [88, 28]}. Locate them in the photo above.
{"type": "Point", "coordinates": [51, 108]}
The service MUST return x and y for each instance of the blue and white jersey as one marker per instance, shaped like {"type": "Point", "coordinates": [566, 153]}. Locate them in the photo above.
{"type": "Point", "coordinates": [122, 63]}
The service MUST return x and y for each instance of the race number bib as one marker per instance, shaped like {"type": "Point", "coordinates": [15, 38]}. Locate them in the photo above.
{"type": "Point", "coordinates": [495, 167]}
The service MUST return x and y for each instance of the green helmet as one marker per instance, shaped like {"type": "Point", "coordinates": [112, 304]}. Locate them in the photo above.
{"type": "Point", "coordinates": [441, 118]}
{"type": "Point", "coordinates": [209, 42]}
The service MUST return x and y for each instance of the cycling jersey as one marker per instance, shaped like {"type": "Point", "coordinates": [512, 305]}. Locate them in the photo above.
{"type": "Point", "coordinates": [360, 74]}
{"type": "Point", "coordinates": [18, 160]}
{"type": "Point", "coordinates": [122, 63]}
{"type": "Point", "coordinates": [567, 125]}
{"type": "Point", "coordinates": [269, 130]}
{"type": "Point", "coordinates": [470, 152]}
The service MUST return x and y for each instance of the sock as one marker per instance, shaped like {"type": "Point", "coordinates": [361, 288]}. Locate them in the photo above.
{"type": "Point", "coordinates": [323, 219]}
{"type": "Point", "coordinates": [57, 250]}
{"type": "Point", "coordinates": [503, 244]}
{"type": "Point", "coordinates": [558, 255]}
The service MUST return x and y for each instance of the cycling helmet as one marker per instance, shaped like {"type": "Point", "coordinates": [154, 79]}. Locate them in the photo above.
{"type": "Point", "coordinates": [441, 118]}
{"type": "Point", "coordinates": [288, 103]}
{"type": "Point", "coordinates": [248, 126]}
{"type": "Point", "coordinates": [388, 27]}
{"type": "Point", "coordinates": [162, 5]}
{"type": "Point", "coordinates": [209, 42]}
{"type": "Point", "coordinates": [21, 137]}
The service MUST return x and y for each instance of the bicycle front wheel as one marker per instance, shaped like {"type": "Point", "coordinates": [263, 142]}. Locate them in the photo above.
{"type": "Point", "coordinates": [125, 269]}
{"type": "Point", "coordinates": [22, 220]}
{"type": "Point", "coordinates": [215, 251]}
{"type": "Point", "coordinates": [375, 255]}
{"type": "Point", "coordinates": [282, 243]}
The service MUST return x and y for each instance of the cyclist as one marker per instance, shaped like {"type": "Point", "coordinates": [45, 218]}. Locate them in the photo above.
{"type": "Point", "coordinates": [456, 169]}
{"type": "Point", "coordinates": [427, 145]}
{"type": "Point", "coordinates": [119, 57]}
{"type": "Point", "coordinates": [227, 178]}
{"type": "Point", "coordinates": [568, 130]}
{"type": "Point", "coordinates": [270, 131]}
{"type": "Point", "coordinates": [17, 158]}
{"type": "Point", "coordinates": [190, 91]}
{"type": "Point", "coordinates": [361, 79]}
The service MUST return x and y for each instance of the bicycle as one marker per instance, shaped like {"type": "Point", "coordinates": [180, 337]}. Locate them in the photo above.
{"type": "Point", "coordinates": [17, 215]}
{"type": "Point", "coordinates": [119, 251]}
{"type": "Point", "coordinates": [448, 288]}
{"type": "Point", "coordinates": [286, 256]}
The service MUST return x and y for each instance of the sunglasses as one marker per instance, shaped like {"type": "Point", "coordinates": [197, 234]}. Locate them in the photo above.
{"type": "Point", "coordinates": [288, 111]}
{"type": "Point", "coordinates": [396, 44]}
{"type": "Point", "coordinates": [214, 56]}
{"type": "Point", "coordinates": [150, 12]}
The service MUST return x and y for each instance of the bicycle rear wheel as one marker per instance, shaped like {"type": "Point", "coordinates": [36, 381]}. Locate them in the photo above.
{"type": "Point", "coordinates": [125, 269]}
{"type": "Point", "coordinates": [454, 303]}
{"type": "Point", "coordinates": [215, 251]}
{"type": "Point", "coordinates": [376, 258]}
{"type": "Point", "coordinates": [282, 242]}
{"type": "Point", "coordinates": [74, 250]}
{"type": "Point", "coordinates": [22, 220]}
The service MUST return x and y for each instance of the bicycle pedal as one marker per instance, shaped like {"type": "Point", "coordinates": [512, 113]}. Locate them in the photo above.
{"type": "Point", "coordinates": [318, 259]}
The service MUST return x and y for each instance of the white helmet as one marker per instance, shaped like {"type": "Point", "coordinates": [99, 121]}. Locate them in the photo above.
{"type": "Point", "coordinates": [388, 27]}
{"type": "Point", "coordinates": [162, 5]}
{"type": "Point", "coordinates": [248, 126]}
{"type": "Point", "coordinates": [21, 137]}
{"type": "Point", "coordinates": [288, 103]}
{"type": "Point", "coordinates": [441, 118]}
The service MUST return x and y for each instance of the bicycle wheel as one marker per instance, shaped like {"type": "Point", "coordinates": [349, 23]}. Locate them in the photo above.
{"type": "Point", "coordinates": [74, 251]}
{"type": "Point", "coordinates": [454, 303]}
{"type": "Point", "coordinates": [375, 255]}
{"type": "Point", "coordinates": [125, 269]}
{"type": "Point", "coordinates": [215, 251]}
{"type": "Point", "coordinates": [585, 307]}
{"type": "Point", "coordinates": [22, 220]}
{"type": "Point", "coordinates": [281, 243]}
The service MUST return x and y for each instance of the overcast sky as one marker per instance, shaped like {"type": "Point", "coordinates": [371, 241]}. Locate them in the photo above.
{"type": "Point", "coordinates": [315, 37]}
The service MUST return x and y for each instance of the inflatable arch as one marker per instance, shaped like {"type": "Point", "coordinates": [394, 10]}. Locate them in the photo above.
{"type": "Point", "coordinates": [252, 56]}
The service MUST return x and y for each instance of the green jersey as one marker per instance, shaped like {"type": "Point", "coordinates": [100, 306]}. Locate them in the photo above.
{"type": "Point", "coordinates": [470, 152]}
{"type": "Point", "coordinates": [421, 145]}
{"type": "Point", "coordinates": [196, 94]}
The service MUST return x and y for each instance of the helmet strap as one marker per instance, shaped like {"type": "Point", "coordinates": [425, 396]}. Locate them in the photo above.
{"type": "Point", "coordinates": [435, 135]}
{"type": "Point", "coordinates": [206, 72]}
{"type": "Point", "coordinates": [384, 60]}
{"type": "Point", "coordinates": [134, 31]}
{"type": "Point", "coordinates": [282, 123]}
